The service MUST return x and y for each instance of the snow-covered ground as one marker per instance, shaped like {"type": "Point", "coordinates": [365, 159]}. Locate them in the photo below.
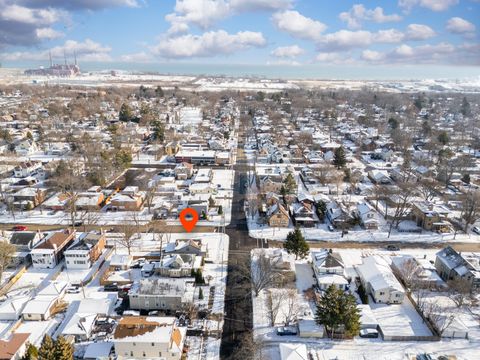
{"type": "Point", "coordinates": [394, 319]}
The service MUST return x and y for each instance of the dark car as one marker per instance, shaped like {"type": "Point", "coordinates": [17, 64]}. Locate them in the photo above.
{"type": "Point", "coordinates": [286, 330]}
{"type": "Point", "coordinates": [369, 333]}
{"type": "Point", "coordinates": [110, 287]}
{"type": "Point", "coordinates": [392, 247]}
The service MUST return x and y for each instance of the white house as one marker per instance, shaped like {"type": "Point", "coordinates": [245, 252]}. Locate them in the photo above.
{"type": "Point", "coordinates": [329, 269]}
{"type": "Point", "coordinates": [378, 279]}
{"type": "Point", "coordinates": [368, 216]}
{"type": "Point", "coordinates": [140, 337]}
{"type": "Point", "coordinates": [49, 252]}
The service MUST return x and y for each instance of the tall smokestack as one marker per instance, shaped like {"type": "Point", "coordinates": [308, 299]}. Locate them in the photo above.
{"type": "Point", "coordinates": [51, 62]}
{"type": "Point", "coordinates": [65, 56]}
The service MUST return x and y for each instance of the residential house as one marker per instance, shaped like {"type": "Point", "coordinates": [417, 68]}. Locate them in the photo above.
{"type": "Point", "coordinates": [28, 198]}
{"type": "Point", "coordinates": [277, 216]}
{"type": "Point", "coordinates": [49, 252]}
{"type": "Point", "coordinates": [27, 168]}
{"type": "Point", "coordinates": [379, 281]}
{"type": "Point", "coordinates": [303, 214]}
{"type": "Point", "coordinates": [140, 337]}
{"type": "Point", "coordinates": [84, 252]}
{"type": "Point", "coordinates": [167, 294]}
{"type": "Point", "coordinates": [329, 269]}
{"type": "Point", "coordinates": [187, 246]}
{"type": "Point", "coordinates": [293, 351]}
{"type": "Point", "coordinates": [13, 347]}
{"type": "Point", "coordinates": [268, 184]}
{"type": "Point", "coordinates": [26, 148]}
{"type": "Point", "coordinates": [204, 175]}
{"type": "Point", "coordinates": [416, 270]}
{"type": "Point", "coordinates": [454, 266]}
{"type": "Point", "coordinates": [183, 171]}
{"type": "Point", "coordinates": [129, 199]}
{"type": "Point", "coordinates": [338, 215]}
{"type": "Point", "coordinates": [24, 241]}
{"type": "Point", "coordinates": [431, 216]}
{"type": "Point", "coordinates": [368, 216]}
{"type": "Point", "coordinates": [90, 200]}
{"type": "Point", "coordinates": [177, 265]}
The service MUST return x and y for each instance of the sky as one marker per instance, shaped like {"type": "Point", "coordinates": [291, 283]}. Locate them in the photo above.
{"type": "Point", "coordinates": [367, 35]}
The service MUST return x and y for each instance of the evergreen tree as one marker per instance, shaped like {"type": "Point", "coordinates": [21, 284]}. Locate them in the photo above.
{"type": "Point", "coordinates": [220, 210]}
{"type": "Point", "coordinates": [125, 113]}
{"type": "Point", "coordinates": [63, 349]}
{"type": "Point", "coordinates": [31, 353]}
{"type": "Point", "coordinates": [443, 138]}
{"type": "Point", "coordinates": [289, 184]}
{"type": "Point", "coordinates": [465, 110]}
{"type": "Point", "coordinates": [337, 309]}
{"type": "Point", "coordinates": [321, 209]}
{"type": "Point", "coordinates": [339, 159]}
{"type": "Point", "coordinates": [47, 349]}
{"type": "Point", "coordinates": [296, 244]}
{"type": "Point", "coordinates": [211, 202]}
{"type": "Point", "coordinates": [158, 130]}
{"type": "Point", "coordinates": [200, 294]}
{"type": "Point", "coordinates": [159, 92]}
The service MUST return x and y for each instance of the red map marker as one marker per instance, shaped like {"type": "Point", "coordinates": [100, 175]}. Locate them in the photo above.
{"type": "Point", "coordinates": [188, 218]}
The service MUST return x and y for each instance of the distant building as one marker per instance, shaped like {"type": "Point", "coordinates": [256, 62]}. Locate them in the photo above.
{"type": "Point", "coordinates": [59, 70]}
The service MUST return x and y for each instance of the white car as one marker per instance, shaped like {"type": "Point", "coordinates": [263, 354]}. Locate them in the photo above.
{"type": "Point", "coordinates": [74, 289]}
{"type": "Point", "coordinates": [476, 230]}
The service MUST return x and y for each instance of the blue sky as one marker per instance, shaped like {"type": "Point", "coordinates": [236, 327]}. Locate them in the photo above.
{"type": "Point", "coordinates": [257, 32]}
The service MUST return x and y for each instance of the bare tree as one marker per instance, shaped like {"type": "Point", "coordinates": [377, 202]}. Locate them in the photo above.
{"type": "Point", "coordinates": [292, 306]}
{"type": "Point", "coordinates": [128, 236]}
{"type": "Point", "coordinates": [402, 196]}
{"type": "Point", "coordinates": [428, 188]}
{"type": "Point", "coordinates": [6, 252]}
{"type": "Point", "coordinates": [438, 317]}
{"type": "Point", "coordinates": [263, 273]}
{"type": "Point", "coordinates": [471, 208]}
{"type": "Point", "coordinates": [408, 272]}
{"type": "Point", "coordinates": [459, 291]}
{"type": "Point", "coordinates": [273, 302]}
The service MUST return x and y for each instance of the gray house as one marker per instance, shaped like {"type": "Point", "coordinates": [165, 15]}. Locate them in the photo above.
{"type": "Point", "coordinates": [168, 294]}
{"type": "Point", "coordinates": [451, 265]}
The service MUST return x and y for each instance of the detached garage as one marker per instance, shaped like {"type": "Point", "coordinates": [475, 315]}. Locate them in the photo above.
{"type": "Point", "coordinates": [39, 309]}
{"type": "Point", "coordinates": [310, 329]}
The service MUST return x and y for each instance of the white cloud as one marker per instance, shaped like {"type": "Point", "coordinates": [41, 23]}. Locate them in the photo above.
{"type": "Point", "coordinates": [298, 25]}
{"type": "Point", "coordinates": [48, 33]}
{"type": "Point", "coordinates": [140, 57]}
{"type": "Point", "coordinates": [458, 25]}
{"type": "Point", "coordinates": [419, 32]}
{"type": "Point", "coordinates": [87, 50]}
{"type": "Point", "coordinates": [434, 5]}
{"type": "Point", "coordinates": [208, 44]}
{"type": "Point", "coordinates": [205, 13]}
{"type": "Point", "coordinates": [288, 51]}
{"type": "Point", "coordinates": [253, 5]}
{"type": "Point", "coordinates": [284, 62]}
{"type": "Point", "coordinates": [389, 36]}
{"type": "Point", "coordinates": [21, 14]}
{"type": "Point", "coordinates": [371, 55]}
{"type": "Point", "coordinates": [358, 13]}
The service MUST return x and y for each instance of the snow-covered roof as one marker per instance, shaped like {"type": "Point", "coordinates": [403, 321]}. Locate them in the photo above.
{"type": "Point", "coordinates": [378, 273]}
{"type": "Point", "coordinates": [293, 352]}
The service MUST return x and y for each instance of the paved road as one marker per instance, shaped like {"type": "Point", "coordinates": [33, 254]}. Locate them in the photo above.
{"type": "Point", "coordinates": [238, 303]}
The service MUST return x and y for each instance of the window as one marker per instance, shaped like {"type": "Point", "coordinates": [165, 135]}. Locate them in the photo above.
{"type": "Point", "coordinates": [144, 354]}
{"type": "Point", "coordinates": [382, 293]}
{"type": "Point", "coordinates": [153, 344]}
{"type": "Point", "coordinates": [131, 353]}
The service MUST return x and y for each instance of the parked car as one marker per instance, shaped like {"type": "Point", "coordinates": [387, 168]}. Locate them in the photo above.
{"type": "Point", "coordinates": [110, 287]}
{"type": "Point", "coordinates": [369, 333]}
{"type": "Point", "coordinates": [19, 228]}
{"type": "Point", "coordinates": [74, 289]}
{"type": "Point", "coordinates": [392, 247]}
{"type": "Point", "coordinates": [286, 330]}
{"type": "Point", "coordinates": [476, 230]}
{"type": "Point", "coordinates": [331, 228]}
